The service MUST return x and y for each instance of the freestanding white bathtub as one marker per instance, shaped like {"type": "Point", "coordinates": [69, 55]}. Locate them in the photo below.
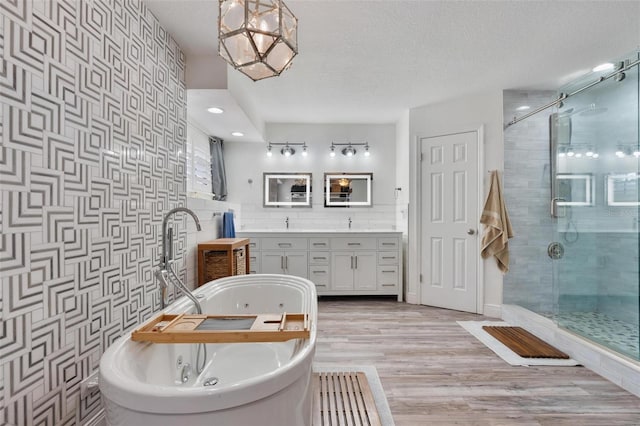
{"type": "Point", "coordinates": [257, 383]}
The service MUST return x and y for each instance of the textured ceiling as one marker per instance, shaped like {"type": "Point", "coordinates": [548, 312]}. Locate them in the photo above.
{"type": "Point", "coordinates": [368, 61]}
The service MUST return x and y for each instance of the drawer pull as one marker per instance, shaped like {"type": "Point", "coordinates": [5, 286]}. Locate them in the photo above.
{"type": "Point", "coordinates": [321, 285]}
{"type": "Point", "coordinates": [388, 257]}
{"type": "Point", "coordinates": [389, 272]}
{"type": "Point", "coordinates": [320, 244]}
{"type": "Point", "coordinates": [284, 244]}
{"type": "Point", "coordinates": [319, 272]}
{"type": "Point", "coordinates": [353, 244]}
{"type": "Point", "coordinates": [319, 258]}
{"type": "Point", "coordinates": [388, 244]}
{"type": "Point", "coordinates": [388, 285]}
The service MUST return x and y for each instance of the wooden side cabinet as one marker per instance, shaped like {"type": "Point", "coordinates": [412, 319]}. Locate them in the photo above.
{"type": "Point", "coordinates": [227, 245]}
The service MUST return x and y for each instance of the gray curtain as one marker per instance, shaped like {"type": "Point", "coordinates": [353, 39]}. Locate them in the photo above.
{"type": "Point", "coordinates": [218, 175]}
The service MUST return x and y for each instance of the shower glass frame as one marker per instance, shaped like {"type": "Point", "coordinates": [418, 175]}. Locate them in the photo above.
{"type": "Point", "coordinates": [596, 284]}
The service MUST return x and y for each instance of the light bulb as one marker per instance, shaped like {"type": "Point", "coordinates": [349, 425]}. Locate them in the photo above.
{"type": "Point", "coordinates": [570, 153]}
{"type": "Point", "coordinates": [589, 153]}
{"type": "Point", "coordinates": [349, 153]}
{"type": "Point", "coordinates": [578, 155]}
{"type": "Point", "coordinates": [304, 151]}
{"type": "Point", "coordinates": [287, 152]}
{"type": "Point", "coordinates": [596, 155]}
{"type": "Point", "coordinates": [333, 152]}
{"type": "Point", "coordinates": [269, 153]}
{"type": "Point", "coordinates": [603, 67]}
{"type": "Point", "coordinates": [562, 154]}
{"type": "Point", "coordinates": [636, 153]}
{"type": "Point", "coordinates": [367, 153]}
{"type": "Point", "coordinates": [619, 154]}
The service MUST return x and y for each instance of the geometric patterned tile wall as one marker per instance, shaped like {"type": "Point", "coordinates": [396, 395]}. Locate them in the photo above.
{"type": "Point", "coordinates": [92, 131]}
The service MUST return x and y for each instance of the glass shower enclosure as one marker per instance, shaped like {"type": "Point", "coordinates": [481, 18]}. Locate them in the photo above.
{"type": "Point", "coordinates": [595, 209]}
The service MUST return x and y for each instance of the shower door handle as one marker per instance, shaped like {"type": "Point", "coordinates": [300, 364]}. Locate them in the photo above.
{"type": "Point", "coordinates": [554, 206]}
{"type": "Point", "coordinates": [471, 231]}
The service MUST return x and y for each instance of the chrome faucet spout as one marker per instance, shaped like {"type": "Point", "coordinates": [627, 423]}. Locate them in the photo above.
{"type": "Point", "coordinates": [166, 256]}
{"type": "Point", "coordinates": [349, 223]}
{"type": "Point", "coordinates": [286, 222]}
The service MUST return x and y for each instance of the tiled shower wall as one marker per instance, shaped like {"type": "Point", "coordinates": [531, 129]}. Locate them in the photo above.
{"type": "Point", "coordinates": [92, 129]}
{"type": "Point", "coordinates": [527, 190]}
{"type": "Point", "coordinates": [599, 269]}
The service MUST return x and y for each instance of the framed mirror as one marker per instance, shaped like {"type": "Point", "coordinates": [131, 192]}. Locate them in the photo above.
{"type": "Point", "coordinates": [287, 190]}
{"type": "Point", "coordinates": [348, 189]}
{"type": "Point", "coordinates": [575, 189]}
{"type": "Point", "coordinates": [621, 189]}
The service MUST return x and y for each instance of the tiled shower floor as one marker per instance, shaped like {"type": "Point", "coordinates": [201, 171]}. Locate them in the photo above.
{"type": "Point", "coordinates": [618, 335]}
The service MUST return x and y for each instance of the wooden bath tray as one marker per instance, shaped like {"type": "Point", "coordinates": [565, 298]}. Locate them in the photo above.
{"type": "Point", "coordinates": [185, 328]}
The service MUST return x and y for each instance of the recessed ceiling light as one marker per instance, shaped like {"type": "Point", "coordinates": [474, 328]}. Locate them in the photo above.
{"type": "Point", "coordinates": [523, 108]}
{"type": "Point", "coordinates": [603, 67]}
{"type": "Point", "coordinates": [215, 110]}
{"type": "Point", "coordinates": [237, 134]}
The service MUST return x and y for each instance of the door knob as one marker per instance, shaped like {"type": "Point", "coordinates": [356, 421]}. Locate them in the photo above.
{"type": "Point", "coordinates": [471, 231]}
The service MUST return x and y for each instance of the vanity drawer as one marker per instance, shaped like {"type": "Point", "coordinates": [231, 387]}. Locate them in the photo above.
{"type": "Point", "coordinates": [254, 263]}
{"type": "Point", "coordinates": [318, 243]}
{"type": "Point", "coordinates": [387, 277]}
{"type": "Point", "coordinates": [388, 243]}
{"type": "Point", "coordinates": [284, 244]}
{"type": "Point", "coordinates": [319, 275]}
{"type": "Point", "coordinates": [353, 243]}
{"type": "Point", "coordinates": [387, 258]}
{"type": "Point", "coordinates": [254, 244]}
{"type": "Point", "coordinates": [319, 257]}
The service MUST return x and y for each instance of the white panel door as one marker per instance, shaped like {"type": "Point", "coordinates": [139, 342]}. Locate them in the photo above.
{"type": "Point", "coordinates": [449, 222]}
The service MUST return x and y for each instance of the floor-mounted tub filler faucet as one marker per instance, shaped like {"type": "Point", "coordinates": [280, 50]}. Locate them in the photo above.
{"type": "Point", "coordinates": [166, 275]}
{"type": "Point", "coordinates": [286, 222]}
{"type": "Point", "coordinates": [349, 223]}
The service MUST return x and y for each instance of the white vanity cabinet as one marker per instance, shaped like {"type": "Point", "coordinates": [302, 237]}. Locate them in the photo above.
{"type": "Point", "coordinates": [338, 263]}
{"type": "Point", "coordinates": [282, 255]}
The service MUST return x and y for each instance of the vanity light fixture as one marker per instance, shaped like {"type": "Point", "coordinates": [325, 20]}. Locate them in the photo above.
{"type": "Point", "coordinates": [287, 148]}
{"type": "Point", "coordinates": [259, 38]}
{"type": "Point", "coordinates": [349, 149]}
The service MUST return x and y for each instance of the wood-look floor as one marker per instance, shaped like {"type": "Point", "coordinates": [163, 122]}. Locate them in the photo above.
{"type": "Point", "coordinates": [436, 373]}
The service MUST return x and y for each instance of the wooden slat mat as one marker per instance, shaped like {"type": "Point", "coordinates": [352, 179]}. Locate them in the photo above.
{"type": "Point", "coordinates": [524, 343]}
{"type": "Point", "coordinates": [343, 399]}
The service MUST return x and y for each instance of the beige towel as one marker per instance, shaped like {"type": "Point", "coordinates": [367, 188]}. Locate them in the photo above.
{"type": "Point", "coordinates": [497, 231]}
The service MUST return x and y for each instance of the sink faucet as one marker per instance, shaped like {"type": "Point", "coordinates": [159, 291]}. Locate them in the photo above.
{"type": "Point", "coordinates": [349, 222]}
{"type": "Point", "coordinates": [286, 222]}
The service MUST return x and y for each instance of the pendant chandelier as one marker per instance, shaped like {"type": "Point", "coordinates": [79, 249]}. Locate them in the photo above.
{"type": "Point", "coordinates": [257, 37]}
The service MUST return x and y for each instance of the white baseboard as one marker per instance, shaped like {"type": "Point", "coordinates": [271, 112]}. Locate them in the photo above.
{"type": "Point", "coordinates": [98, 420]}
{"type": "Point", "coordinates": [616, 368]}
{"type": "Point", "coordinates": [493, 311]}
